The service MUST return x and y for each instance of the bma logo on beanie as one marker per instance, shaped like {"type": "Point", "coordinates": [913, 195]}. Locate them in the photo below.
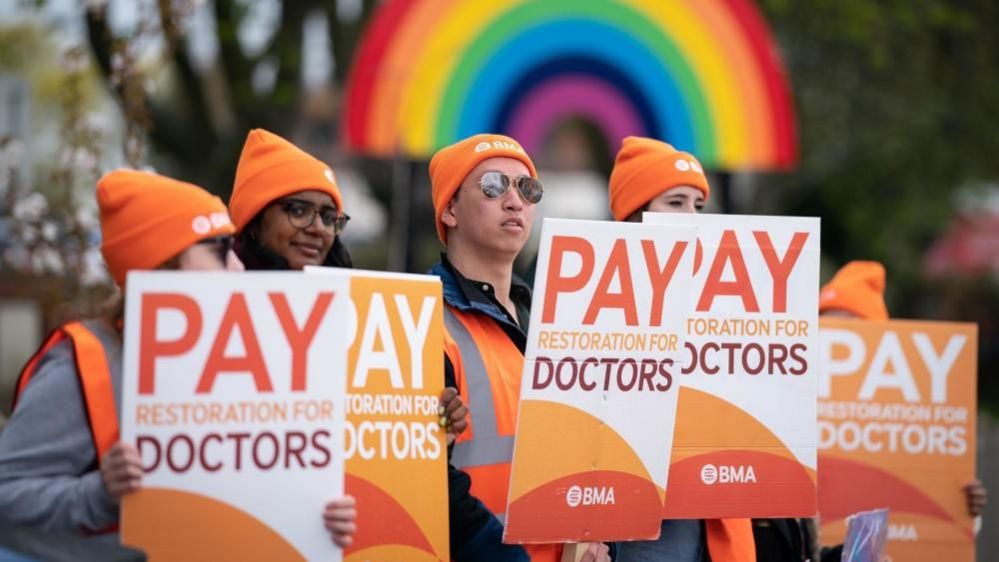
{"type": "Point", "coordinates": [688, 165]}
{"type": "Point", "coordinates": [498, 145]}
{"type": "Point", "coordinates": [203, 224]}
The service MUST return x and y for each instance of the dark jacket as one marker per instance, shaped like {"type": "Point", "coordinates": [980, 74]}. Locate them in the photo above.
{"type": "Point", "coordinates": [784, 540]}
{"type": "Point", "coordinates": [476, 534]}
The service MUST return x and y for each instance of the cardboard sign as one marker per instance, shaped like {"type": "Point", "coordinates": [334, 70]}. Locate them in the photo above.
{"type": "Point", "coordinates": [897, 429]}
{"type": "Point", "coordinates": [599, 388]}
{"type": "Point", "coordinates": [233, 390]}
{"type": "Point", "coordinates": [395, 447]}
{"type": "Point", "coordinates": [745, 436]}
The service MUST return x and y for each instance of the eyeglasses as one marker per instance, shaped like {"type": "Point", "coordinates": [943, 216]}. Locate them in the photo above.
{"type": "Point", "coordinates": [301, 214]}
{"type": "Point", "coordinates": [221, 245]}
{"type": "Point", "coordinates": [496, 184]}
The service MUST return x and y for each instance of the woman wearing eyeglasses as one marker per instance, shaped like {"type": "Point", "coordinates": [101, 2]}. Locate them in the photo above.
{"type": "Point", "coordinates": [288, 214]}
{"type": "Point", "coordinates": [62, 466]}
{"type": "Point", "coordinates": [286, 207]}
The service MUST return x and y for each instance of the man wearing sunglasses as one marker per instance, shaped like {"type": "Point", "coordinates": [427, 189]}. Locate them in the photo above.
{"type": "Point", "coordinates": [484, 191]}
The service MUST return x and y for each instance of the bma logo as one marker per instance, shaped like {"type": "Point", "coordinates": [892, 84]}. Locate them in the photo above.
{"type": "Point", "coordinates": [688, 165]}
{"type": "Point", "coordinates": [204, 224]}
{"type": "Point", "coordinates": [903, 532]}
{"type": "Point", "coordinates": [498, 145]}
{"type": "Point", "coordinates": [724, 474]}
{"type": "Point", "coordinates": [590, 495]}
{"type": "Point", "coordinates": [574, 497]}
{"type": "Point", "coordinates": [709, 474]}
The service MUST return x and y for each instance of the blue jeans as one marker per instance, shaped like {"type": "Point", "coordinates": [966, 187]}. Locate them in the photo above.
{"type": "Point", "coordinates": [681, 540]}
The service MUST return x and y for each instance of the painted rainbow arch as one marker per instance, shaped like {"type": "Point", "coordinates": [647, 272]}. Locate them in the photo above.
{"type": "Point", "coordinates": [703, 75]}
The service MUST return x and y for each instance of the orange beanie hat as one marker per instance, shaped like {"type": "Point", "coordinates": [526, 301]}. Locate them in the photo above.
{"type": "Point", "coordinates": [270, 168]}
{"type": "Point", "coordinates": [859, 288]}
{"type": "Point", "coordinates": [452, 164]}
{"type": "Point", "coordinates": [644, 168]}
{"type": "Point", "coordinates": [146, 219]}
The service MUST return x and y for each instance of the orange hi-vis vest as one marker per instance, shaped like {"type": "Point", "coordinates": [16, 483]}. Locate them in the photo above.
{"type": "Point", "coordinates": [487, 370]}
{"type": "Point", "coordinates": [730, 540]}
{"type": "Point", "coordinates": [95, 381]}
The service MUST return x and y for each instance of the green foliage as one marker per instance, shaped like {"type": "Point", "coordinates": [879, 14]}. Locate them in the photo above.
{"type": "Point", "coordinates": [894, 103]}
{"type": "Point", "coordinates": [17, 42]}
{"type": "Point", "coordinates": [897, 103]}
{"type": "Point", "coordinates": [28, 50]}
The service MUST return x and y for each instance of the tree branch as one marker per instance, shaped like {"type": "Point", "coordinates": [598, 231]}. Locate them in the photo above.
{"type": "Point", "coordinates": [287, 48]}
{"type": "Point", "coordinates": [205, 136]}
{"type": "Point", "coordinates": [236, 66]}
{"type": "Point", "coordinates": [166, 129]}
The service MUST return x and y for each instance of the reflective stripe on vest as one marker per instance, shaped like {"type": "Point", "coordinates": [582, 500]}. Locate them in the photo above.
{"type": "Point", "coordinates": [487, 446]}
{"type": "Point", "coordinates": [487, 449]}
{"type": "Point", "coordinates": [95, 381]}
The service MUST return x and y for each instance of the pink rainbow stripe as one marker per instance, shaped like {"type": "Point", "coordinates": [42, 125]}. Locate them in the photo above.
{"type": "Point", "coordinates": [573, 95]}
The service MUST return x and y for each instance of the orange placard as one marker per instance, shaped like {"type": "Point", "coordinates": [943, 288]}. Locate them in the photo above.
{"type": "Point", "coordinates": [395, 447]}
{"type": "Point", "coordinates": [897, 408]}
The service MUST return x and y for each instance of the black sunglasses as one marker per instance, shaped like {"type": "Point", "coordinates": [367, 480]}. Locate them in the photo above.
{"type": "Point", "coordinates": [496, 184]}
{"type": "Point", "coordinates": [301, 214]}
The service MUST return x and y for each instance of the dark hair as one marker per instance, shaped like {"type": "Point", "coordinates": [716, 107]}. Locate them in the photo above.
{"type": "Point", "coordinates": [256, 256]}
{"type": "Point", "coordinates": [637, 215]}
{"type": "Point", "coordinates": [113, 309]}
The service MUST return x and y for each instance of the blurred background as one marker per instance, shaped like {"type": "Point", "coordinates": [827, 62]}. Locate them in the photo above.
{"type": "Point", "coordinates": [879, 117]}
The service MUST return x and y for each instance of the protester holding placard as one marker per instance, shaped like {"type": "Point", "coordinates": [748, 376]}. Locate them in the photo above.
{"type": "Point", "coordinates": [650, 175]}
{"type": "Point", "coordinates": [857, 291]}
{"type": "Point", "coordinates": [484, 191]}
{"type": "Point", "coordinates": [62, 466]}
{"type": "Point", "coordinates": [289, 213]}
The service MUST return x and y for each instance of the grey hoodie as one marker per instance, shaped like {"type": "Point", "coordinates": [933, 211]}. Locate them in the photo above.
{"type": "Point", "coordinates": [49, 477]}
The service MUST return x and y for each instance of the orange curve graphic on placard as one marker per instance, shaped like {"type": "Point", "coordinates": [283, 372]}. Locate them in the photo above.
{"type": "Point", "coordinates": [382, 521]}
{"type": "Point", "coordinates": [847, 486]}
{"type": "Point", "coordinates": [634, 499]}
{"type": "Point", "coordinates": [703, 420]}
{"type": "Point", "coordinates": [584, 442]}
{"type": "Point", "coordinates": [389, 553]}
{"type": "Point", "coordinates": [211, 530]}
